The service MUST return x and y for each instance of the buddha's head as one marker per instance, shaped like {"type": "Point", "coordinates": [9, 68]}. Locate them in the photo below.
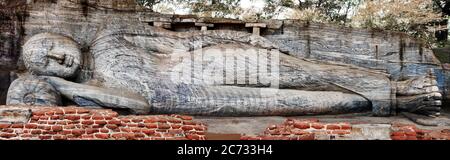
{"type": "Point", "coordinates": [49, 54]}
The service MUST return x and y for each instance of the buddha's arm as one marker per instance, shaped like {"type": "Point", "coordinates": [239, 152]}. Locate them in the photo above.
{"type": "Point", "coordinates": [85, 95]}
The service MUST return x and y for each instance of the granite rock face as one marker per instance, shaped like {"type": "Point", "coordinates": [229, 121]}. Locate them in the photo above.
{"type": "Point", "coordinates": [118, 47]}
{"type": "Point", "coordinates": [11, 32]}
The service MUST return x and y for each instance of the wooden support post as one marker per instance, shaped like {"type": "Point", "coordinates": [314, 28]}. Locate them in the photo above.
{"type": "Point", "coordinates": [256, 27]}
{"type": "Point", "coordinates": [204, 26]}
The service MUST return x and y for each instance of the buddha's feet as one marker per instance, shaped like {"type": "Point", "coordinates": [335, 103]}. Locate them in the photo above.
{"type": "Point", "coordinates": [420, 95]}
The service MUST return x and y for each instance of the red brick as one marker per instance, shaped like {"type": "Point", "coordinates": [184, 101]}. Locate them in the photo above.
{"type": "Point", "coordinates": [125, 130]}
{"type": "Point", "coordinates": [118, 136]}
{"type": "Point", "coordinates": [87, 122]}
{"type": "Point", "coordinates": [57, 128]}
{"type": "Point", "coordinates": [151, 125]}
{"type": "Point", "coordinates": [158, 138]}
{"type": "Point", "coordinates": [411, 138]}
{"type": "Point", "coordinates": [135, 130]}
{"type": "Point", "coordinates": [59, 112]}
{"type": "Point", "coordinates": [61, 123]}
{"type": "Point", "coordinates": [100, 122]}
{"type": "Point", "coordinates": [137, 120]}
{"type": "Point", "coordinates": [44, 117]}
{"type": "Point", "coordinates": [56, 117]}
{"type": "Point", "coordinates": [82, 111]}
{"type": "Point", "coordinates": [148, 131]}
{"type": "Point", "coordinates": [163, 126]}
{"type": "Point", "coordinates": [199, 128]}
{"type": "Point", "coordinates": [125, 120]}
{"type": "Point", "coordinates": [35, 118]}
{"type": "Point", "coordinates": [48, 132]}
{"type": "Point", "coordinates": [174, 120]}
{"type": "Point", "coordinates": [151, 120]}
{"type": "Point", "coordinates": [98, 117]}
{"type": "Point", "coordinates": [341, 132]}
{"type": "Point", "coordinates": [70, 126]}
{"type": "Point", "coordinates": [130, 136]}
{"type": "Point", "coordinates": [78, 132]}
{"type": "Point", "coordinates": [109, 117]}
{"type": "Point", "coordinates": [26, 136]}
{"type": "Point", "coordinates": [116, 122]}
{"type": "Point", "coordinates": [26, 130]}
{"type": "Point", "coordinates": [66, 132]}
{"type": "Point", "coordinates": [87, 136]}
{"type": "Point", "coordinates": [307, 137]}
{"type": "Point", "coordinates": [346, 126]}
{"type": "Point", "coordinates": [185, 117]}
{"type": "Point", "coordinates": [333, 127]}
{"type": "Point", "coordinates": [111, 126]}
{"type": "Point", "coordinates": [162, 120]}
{"type": "Point", "coordinates": [300, 132]}
{"type": "Point", "coordinates": [39, 113]}
{"type": "Point", "coordinates": [59, 137]}
{"type": "Point", "coordinates": [301, 125]}
{"type": "Point", "coordinates": [317, 126]}
{"type": "Point", "coordinates": [50, 113]}
{"type": "Point", "coordinates": [76, 122]}
{"type": "Point", "coordinates": [398, 133]}
{"type": "Point", "coordinates": [72, 117]}
{"type": "Point", "coordinates": [139, 135]}
{"type": "Point", "coordinates": [70, 110]}
{"type": "Point", "coordinates": [410, 133]}
{"type": "Point", "coordinates": [398, 137]}
{"type": "Point", "coordinates": [92, 130]}
{"type": "Point", "coordinates": [35, 131]}
{"type": "Point", "coordinates": [141, 125]}
{"type": "Point", "coordinates": [193, 137]}
{"type": "Point", "coordinates": [189, 123]}
{"type": "Point", "coordinates": [103, 130]}
{"type": "Point", "coordinates": [187, 128]}
{"type": "Point", "coordinates": [176, 126]}
{"type": "Point", "coordinates": [2, 126]}
{"type": "Point", "coordinates": [102, 136]}
{"type": "Point", "coordinates": [86, 117]}
{"type": "Point", "coordinates": [94, 126]}
{"type": "Point", "coordinates": [45, 137]}
{"type": "Point", "coordinates": [51, 122]}
{"type": "Point", "coordinates": [7, 135]}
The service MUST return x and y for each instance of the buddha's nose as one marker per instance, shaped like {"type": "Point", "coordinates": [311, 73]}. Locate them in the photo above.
{"type": "Point", "coordinates": [57, 56]}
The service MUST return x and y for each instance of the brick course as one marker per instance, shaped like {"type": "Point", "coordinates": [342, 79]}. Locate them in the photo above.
{"type": "Point", "coordinates": [73, 123]}
{"type": "Point", "coordinates": [308, 129]}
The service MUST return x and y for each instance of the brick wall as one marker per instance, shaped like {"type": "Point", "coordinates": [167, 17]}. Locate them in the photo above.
{"type": "Point", "coordinates": [411, 132]}
{"type": "Point", "coordinates": [309, 129]}
{"type": "Point", "coordinates": [312, 129]}
{"type": "Point", "coordinates": [73, 123]}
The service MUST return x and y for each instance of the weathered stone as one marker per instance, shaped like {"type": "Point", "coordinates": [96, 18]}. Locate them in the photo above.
{"type": "Point", "coordinates": [14, 115]}
{"type": "Point", "coordinates": [123, 62]}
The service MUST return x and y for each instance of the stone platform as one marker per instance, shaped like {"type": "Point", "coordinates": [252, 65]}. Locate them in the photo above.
{"type": "Point", "coordinates": [73, 123]}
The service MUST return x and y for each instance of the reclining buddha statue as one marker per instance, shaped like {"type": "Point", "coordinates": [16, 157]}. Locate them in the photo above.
{"type": "Point", "coordinates": [138, 71]}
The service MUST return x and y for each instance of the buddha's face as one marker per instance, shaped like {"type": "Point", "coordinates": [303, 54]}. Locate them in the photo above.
{"type": "Point", "coordinates": [48, 54]}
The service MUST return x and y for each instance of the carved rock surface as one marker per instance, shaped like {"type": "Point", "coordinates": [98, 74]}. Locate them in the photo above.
{"type": "Point", "coordinates": [14, 115]}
